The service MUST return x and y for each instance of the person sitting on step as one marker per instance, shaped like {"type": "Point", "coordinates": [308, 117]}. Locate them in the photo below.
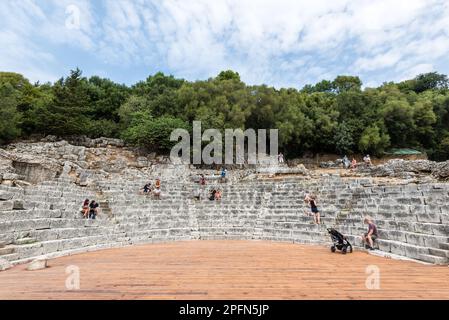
{"type": "Point", "coordinates": [218, 195]}
{"type": "Point", "coordinates": [353, 164]}
{"type": "Point", "coordinates": [85, 210]}
{"type": "Point", "coordinates": [147, 188]}
{"type": "Point", "coordinates": [367, 160]}
{"type": "Point", "coordinates": [314, 209]}
{"type": "Point", "coordinates": [197, 194]}
{"type": "Point", "coordinates": [202, 180]}
{"type": "Point", "coordinates": [93, 206]}
{"type": "Point", "coordinates": [223, 174]}
{"type": "Point", "coordinates": [212, 195]}
{"type": "Point", "coordinates": [371, 236]}
{"type": "Point", "coordinates": [157, 192]}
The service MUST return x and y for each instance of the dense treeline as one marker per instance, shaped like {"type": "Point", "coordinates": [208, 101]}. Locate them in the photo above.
{"type": "Point", "coordinates": [331, 116]}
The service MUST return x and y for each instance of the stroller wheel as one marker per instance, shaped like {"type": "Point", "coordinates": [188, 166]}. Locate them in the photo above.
{"type": "Point", "coordinates": [343, 250]}
{"type": "Point", "coordinates": [333, 249]}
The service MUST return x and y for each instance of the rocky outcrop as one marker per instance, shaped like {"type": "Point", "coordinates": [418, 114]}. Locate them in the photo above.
{"type": "Point", "coordinates": [408, 169]}
{"type": "Point", "coordinates": [441, 170]}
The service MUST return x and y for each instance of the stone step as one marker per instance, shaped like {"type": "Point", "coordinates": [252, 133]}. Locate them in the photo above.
{"type": "Point", "coordinates": [10, 257]}
{"type": "Point", "coordinates": [24, 241]}
{"type": "Point", "coordinates": [439, 252]}
{"type": "Point", "coordinates": [444, 246]}
{"type": "Point", "coordinates": [433, 259]}
{"type": "Point", "coordinates": [6, 250]}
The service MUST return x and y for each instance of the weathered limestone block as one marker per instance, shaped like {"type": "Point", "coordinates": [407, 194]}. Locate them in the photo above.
{"type": "Point", "coordinates": [6, 205]}
{"type": "Point", "coordinates": [37, 264]}
{"type": "Point", "coordinates": [414, 252]}
{"type": "Point", "coordinates": [440, 229]}
{"type": "Point", "coordinates": [4, 264]}
{"type": "Point", "coordinates": [5, 195]}
{"type": "Point", "coordinates": [400, 216]}
{"type": "Point", "coordinates": [50, 246]}
{"type": "Point", "coordinates": [424, 228]}
{"type": "Point", "coordinates": [429, 217]}
{"type": "Point", "coordinates": [415, 239]}
{"type": "Point", "coordinates": [397, 248]}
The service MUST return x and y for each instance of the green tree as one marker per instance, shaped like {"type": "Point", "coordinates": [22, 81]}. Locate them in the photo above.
{"type": "Point", "coordinates": [343, 139]}
{"type": "Point", "coordinates": [346, 83]}
{"type": "Point", "coordinates": [68, 113]}
{"type": "Point", "coordinates": [152, 133]}
{"type": "Point", "coordinates": [373, 140]}
{"type": "Point", "coordinates": [9, 116]}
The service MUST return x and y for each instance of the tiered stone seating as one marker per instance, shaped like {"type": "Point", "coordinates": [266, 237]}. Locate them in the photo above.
{"type": "Point", "coordinates": [50, 222]}
{"type": "Point", "coordinates": [413, 220]}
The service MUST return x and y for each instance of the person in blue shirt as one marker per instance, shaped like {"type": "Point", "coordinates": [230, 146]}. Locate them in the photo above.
{"type": "Point", "coordinates": [223, 174]}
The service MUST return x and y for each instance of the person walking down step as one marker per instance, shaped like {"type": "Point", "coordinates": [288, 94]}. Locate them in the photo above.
{"type": "Point", "coordinates": [314, 209]}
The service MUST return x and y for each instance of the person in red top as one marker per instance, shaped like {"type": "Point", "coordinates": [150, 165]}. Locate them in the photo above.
{"type": "Point", "coordinates": [85, 210]}
{"type": "Point", "coordinates": [369, 237]}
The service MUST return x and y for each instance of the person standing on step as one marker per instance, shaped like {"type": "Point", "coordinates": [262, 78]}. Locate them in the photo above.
{"type": "Point", "coordinates": [93, 209]}
{"type": "Point", "coordinates": [307, 202]}
{"type": "Point", "coordinates": [371, 236]}
{"type": "Point", "coordinates": [346, 162]}
{"type": "Point", "coordinates": [314, 209]}
{"type": "Point", "coordinates": [158, 183]}
{"type": "Point", "coordinates": [280, 158]}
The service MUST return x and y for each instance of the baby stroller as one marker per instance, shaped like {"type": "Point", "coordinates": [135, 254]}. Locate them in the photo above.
{"type": "Point", "coordinates": [339, 242]}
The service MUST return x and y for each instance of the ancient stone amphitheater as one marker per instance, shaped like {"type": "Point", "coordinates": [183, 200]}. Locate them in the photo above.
{"type": "Point", "coordinates": [44, 184]}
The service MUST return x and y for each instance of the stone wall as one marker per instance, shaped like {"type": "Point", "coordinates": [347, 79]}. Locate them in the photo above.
{"type": "Point", "coordinates": [43, 217]}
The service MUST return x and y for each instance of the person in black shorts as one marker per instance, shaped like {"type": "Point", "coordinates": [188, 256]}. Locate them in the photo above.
{"type": "Point", "coordinates": [314, 209]}
{"type": "Point", "coordinates": [371, 236]}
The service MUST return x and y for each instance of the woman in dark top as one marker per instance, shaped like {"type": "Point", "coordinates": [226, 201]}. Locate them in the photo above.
{"type": "Point", "coordinates": [314, 209]}
{"type": "Point", "coordinates": [93, 209]}
{"type": "Point", "coordinates": [212, 195]}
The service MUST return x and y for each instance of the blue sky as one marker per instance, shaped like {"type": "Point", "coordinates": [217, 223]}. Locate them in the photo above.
{"type": "Point", "coordinates": [280, 43]}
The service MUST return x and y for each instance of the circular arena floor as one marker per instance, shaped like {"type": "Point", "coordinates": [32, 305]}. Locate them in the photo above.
{"type": "Point", "coordinates": [226, 270]}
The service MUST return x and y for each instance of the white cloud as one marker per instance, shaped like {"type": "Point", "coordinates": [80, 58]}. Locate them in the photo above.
{"type": "Point", "coordinates": [266, 41]}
